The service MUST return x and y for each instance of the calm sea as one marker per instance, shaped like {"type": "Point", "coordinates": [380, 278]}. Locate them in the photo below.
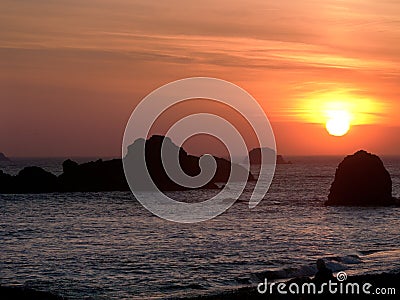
{"type": "Point", "coordinates": [107, 246]}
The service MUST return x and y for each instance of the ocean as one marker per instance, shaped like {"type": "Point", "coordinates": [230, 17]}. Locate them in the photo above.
{"type": "Point", "coordinates": [107, 246]}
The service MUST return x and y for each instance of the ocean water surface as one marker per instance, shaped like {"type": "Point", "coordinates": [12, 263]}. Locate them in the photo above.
{"type": "Point", "coordinates": [107, 246]}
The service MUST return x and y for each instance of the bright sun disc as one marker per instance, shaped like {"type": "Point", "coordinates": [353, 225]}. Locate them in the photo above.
{"type": "Point", "coordinates": [338, 123]}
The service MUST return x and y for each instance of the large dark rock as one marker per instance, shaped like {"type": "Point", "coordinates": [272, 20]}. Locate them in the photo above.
{"type": "Point", "coordinates": [36, 180]}
{"type": "Point", "coordinates": [29, 180]}
{"type": "Point", "coordinates": [94, 176]}
{"type": "Point", "coordinates": [7, 183]}
{"type": "Point", "coordinates": [188, 163]}
{"type": "Point", "coordinates": [361, 180]}
{"type": "Point", "coordinates": [98, 176]}
{"type": "Point", "coordinates": [154, 166]}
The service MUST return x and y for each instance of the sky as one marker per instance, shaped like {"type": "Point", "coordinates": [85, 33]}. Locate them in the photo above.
{"type": "Point", "coordinates": [73, 71]}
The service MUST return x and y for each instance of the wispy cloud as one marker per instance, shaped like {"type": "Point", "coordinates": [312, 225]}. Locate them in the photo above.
{"type": "Point", "coordinates": [284, 52]}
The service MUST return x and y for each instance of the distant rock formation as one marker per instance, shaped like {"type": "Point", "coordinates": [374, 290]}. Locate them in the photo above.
{"type": "Point", "coordinates": [3, 157]}
{"type": "Point", "coordinates": [361, 180]}
{"type": "Point", "coordinates": [281, 161]}
{"type": "Point", "coordinates": [269, 156]}
{"type": "Point", "coordinates": [97, 176]}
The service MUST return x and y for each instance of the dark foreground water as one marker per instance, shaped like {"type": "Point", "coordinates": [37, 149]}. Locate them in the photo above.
{"type": "Point", "coordinates": [106, 246]}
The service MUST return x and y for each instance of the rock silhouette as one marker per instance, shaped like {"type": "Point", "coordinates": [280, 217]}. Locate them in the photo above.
{"type": "Point", "coordinates": [23, 293]}
{"type": "Point", "coordinates": [281, 161]}
{"type": "Point", "coordinates": [3, 157]}
{"type": "Point", "coordinates": [94, 176]}
{"type": "Point", "coordinates": [36, 180]}
{"type": "Point", "coordinates": [29, 180]}
{"type": "Point", "coordinates": [98, 176]}
{"type": "Point", "coordinates": [269, 157]}
{"type": "Point", "coordinates": [188, 163]}
{"type": "Point", "coordinates": [361, 179]}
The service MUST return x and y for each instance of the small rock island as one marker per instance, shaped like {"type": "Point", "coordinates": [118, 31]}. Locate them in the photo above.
{"type": "Point", "coordinates": [361, 179]}
{"type": "Point", "coordinates": [3, 157]}
{"type": "Point", "coordinates": [269, 156]}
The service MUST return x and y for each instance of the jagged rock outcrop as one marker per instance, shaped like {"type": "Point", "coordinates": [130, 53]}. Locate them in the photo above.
{"type": "Point", "coordinates": [97, 176]}
{"type": "Point", "coordinates": [361, 179]}
{"type": "Point", "coordinates": [29, 180]}
{"type": "Point", "coordinates": [188, 163]}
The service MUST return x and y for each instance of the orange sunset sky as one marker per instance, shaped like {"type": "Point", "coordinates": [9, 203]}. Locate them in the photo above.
{"type": "Point", "coordinates": [73, 71]}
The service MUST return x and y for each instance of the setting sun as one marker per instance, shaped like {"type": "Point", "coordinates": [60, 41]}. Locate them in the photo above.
{"type": "Point", "coordinates": [338, 123]}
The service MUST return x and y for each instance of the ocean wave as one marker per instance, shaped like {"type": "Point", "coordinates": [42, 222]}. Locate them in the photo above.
{"type": "Point", "coordinates": [335, 263]}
